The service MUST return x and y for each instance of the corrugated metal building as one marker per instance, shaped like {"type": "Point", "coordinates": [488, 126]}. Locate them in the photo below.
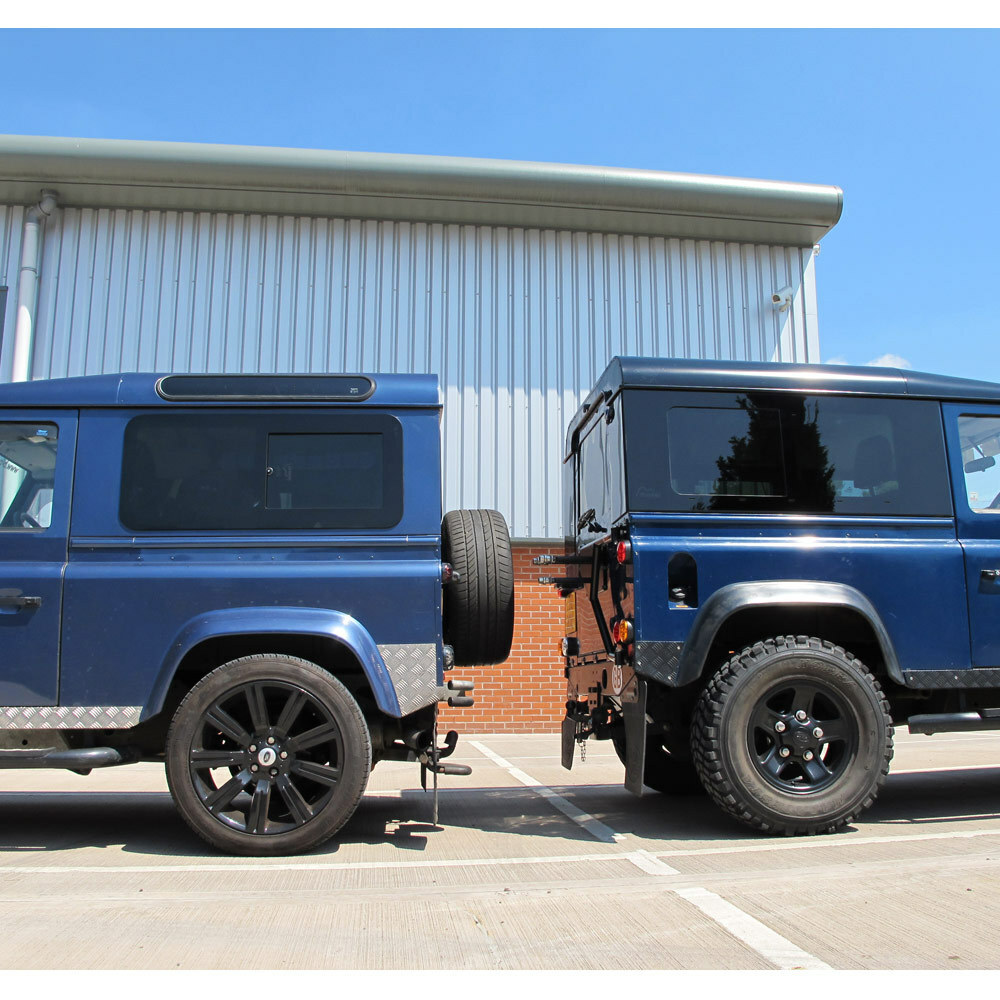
{"type": "Point", "coordinates": [514, 282]}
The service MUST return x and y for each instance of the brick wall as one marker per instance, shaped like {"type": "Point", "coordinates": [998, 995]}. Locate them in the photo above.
{"type": "Point", "coordinates": [527, 694]}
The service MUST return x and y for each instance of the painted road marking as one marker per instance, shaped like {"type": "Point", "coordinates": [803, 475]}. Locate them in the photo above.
{"type": "Point", "coordinates": [316, 866]}
{"type": "Point", "coordinates": [593, 826]}
{"type": "Point", "coordinates": [767, 943]}
{"type": "Point", "coordinates": [832, 840]}
{"type": "Point", "coordinates": [770, 945]}
{"type": "Point", "coordinates": [650, 863]}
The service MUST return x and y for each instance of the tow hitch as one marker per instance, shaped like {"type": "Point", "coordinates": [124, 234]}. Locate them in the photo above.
{"type": "Point", "coordinates": [430, 760]}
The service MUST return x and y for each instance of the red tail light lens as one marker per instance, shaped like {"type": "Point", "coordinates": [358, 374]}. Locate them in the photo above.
{"type": "Point", "coordinates": [622, 633]}
{"type": "Point", "coordinates": [622, 552]}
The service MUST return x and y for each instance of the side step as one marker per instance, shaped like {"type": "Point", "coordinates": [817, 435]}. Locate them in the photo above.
{"type": "Point", "coordinates": [84, 759]}
{"type": "Point", "coordinates": [955, 722]}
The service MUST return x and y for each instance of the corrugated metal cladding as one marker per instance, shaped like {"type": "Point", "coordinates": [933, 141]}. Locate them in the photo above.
{"type": "Point", "coordinates": [518, 323]}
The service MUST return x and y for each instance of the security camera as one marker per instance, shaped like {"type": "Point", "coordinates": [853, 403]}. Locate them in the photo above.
{"type": "Point", "coordinates": [782, 298]}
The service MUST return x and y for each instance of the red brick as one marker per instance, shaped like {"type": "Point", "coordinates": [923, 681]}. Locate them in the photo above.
{"type": "Point", "coordinates": [527, 693]}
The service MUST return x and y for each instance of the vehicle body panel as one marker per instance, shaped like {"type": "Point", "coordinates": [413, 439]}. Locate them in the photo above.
{"type": "Point", "coordinates": [32, 562]}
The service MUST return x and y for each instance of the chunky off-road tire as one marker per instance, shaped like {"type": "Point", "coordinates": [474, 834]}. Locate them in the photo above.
{"type": "Point", "coordinates": [764, 764]}
{"type": "Point", "coordinates": [268, 755]}
{"type": "Point", "coordinates": [479, 605]}
{"type": "Point", "coordinates": [665, 772]}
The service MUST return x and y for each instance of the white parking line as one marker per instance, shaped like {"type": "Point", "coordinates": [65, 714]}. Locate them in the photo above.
{"type": "Point", "coordinates": [935, 770]}
{"type": "Point", "coordinates": [314, 866]}
{"type": "Point", "coordinates": [767, 943]}
{"type": "Point", "coordinates": [831, 840]}
{"type": "Point", "coordinates": [650, 863]}
{"type": "Point", "coordinates": [593, 826]}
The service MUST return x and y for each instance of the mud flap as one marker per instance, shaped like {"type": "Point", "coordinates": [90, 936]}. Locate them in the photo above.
{"type": "Point", "coordinates": [568, 743]}
{"type": "Point", "coordinates": [634, 715]}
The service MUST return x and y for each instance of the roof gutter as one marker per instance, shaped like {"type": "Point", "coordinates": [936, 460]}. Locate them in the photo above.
{"type": "Point", "coordinates": [105, 173]}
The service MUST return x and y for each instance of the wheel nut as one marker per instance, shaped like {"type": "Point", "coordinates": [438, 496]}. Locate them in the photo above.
{"type": "Point", "coordinates": [808, 755]}
{"type": "Point", "coordinates": [801, 716]}
{"type": "Point", "coordinates": [274, 772]}
{"type": "Point", "coordinates": [784, 752]}
{"type": "Point", "coordinates": [253, 767]}
{"type": "Point", "coordinates": [253, 748]}
{"type": "Point", "coordinates": [818, 733]}
{"type": "Point", "coordinates": [284, 754]}
{"type": "Point", "coordinates": [270, 739]}
{"type": "Point", "coordinates": [779, 727]}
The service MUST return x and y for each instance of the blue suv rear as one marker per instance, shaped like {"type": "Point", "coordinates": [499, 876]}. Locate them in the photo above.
{"type": "Point", "coordinates": [247, 577]}
{"type": "Point", "coordinates": [769, 567]}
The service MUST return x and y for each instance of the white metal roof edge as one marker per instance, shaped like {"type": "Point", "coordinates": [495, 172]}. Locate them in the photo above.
{"type": "Point", "coordinates": [174, 176]}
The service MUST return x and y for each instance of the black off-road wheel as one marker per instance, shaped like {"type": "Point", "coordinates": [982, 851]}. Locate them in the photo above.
{"type": "Point", "coordinates": [666, 771]}
{"type": "Point", "coordinates": [793, 736]}
{"type": "Point", "coordinates": [478, 606]}
{"type": "Point", "coordinates": [268, 755]}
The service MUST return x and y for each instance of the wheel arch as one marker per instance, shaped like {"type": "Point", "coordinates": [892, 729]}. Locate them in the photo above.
{"type": "Point", "coordinates": [333, 640]}
{"type": "Point", "coordinates": [741, 614]}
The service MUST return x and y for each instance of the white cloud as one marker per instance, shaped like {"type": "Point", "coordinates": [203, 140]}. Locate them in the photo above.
{"type": "Point", "coordinates": [890, 361]}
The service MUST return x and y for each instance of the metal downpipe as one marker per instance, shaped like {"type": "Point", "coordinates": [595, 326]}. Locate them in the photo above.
{"type": "Point", "coordinates": [27, 284]}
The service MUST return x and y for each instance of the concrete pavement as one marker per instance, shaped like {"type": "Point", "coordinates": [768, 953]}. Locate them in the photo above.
{"type": "Point", "coordinates": [532, 867]}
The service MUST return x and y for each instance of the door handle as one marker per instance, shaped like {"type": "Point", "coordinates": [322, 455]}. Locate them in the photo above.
{"type": "Point", "coordinates": [990, 574]}
{"type": "Point", "coordinates": [20, 602]}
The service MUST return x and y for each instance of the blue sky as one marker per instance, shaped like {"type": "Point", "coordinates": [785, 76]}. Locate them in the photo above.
{"type": "Point", "coordinates": [906, 122]}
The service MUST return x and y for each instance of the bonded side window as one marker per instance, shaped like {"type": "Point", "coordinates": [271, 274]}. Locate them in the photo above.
{"type": "Point", "coordinates": [980, 437]}
{"type": "Point", "coordinates": [771, 452]}
{"type": "Point", "coordinates": [715, 452]}
{"type": "Point", "coordinates": [228, 471]}
{"type": "Point", "coordinates": [324, 471]}
{"type": "Point", "coordinates": [27, 475]}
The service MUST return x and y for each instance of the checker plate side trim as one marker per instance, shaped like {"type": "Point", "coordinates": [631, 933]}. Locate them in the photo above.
{"type": "Point", "coordinates": [70, 717]}
{"type": "Point", "coordinates": [413, 670]}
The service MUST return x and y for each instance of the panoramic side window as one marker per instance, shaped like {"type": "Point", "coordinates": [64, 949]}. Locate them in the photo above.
{"type": "Point", "coordinates": [261, 471]}
{"type": "Point", "coordinates": [773, 452]}
{"type": "Point", "coordinates": [324, 471]}
{"type": "Point", "coordinates": [980, 437]}
{"type": "Point", "coordinates": [734, 452]}
{"type": "Point", "coordinates": [27, 475]}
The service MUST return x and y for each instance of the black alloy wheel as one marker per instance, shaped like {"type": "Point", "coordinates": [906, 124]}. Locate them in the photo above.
{"type": "Point", "coordinates": [268, 755]}
{"type": "Point", "coordinates": [802, 736]}
{"type": "Point", "coordinates": [793, 736]}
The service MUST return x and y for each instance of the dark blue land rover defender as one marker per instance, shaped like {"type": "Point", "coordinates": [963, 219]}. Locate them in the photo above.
{"type": "Point", "coordinates": [245, 576]}
{"type": "Point", "coordinates": [769, 566]}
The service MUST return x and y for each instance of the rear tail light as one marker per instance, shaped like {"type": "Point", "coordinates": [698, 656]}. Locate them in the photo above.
{"type": "Point", "coordinates": [622, 552]}
{"type": "Point", "coordinates": [622, 633]}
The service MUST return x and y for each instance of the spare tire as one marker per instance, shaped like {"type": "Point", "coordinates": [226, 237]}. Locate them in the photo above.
{"type": "Point", "coordinates": [478, 606]}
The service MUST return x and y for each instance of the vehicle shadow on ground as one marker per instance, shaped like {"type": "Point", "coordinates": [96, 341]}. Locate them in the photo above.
{"type": "Point", "coordinates": [147, 823]}
{"type": "Point", "coordinates": [926, 797]}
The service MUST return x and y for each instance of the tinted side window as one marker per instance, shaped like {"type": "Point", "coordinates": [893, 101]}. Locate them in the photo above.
{"type": "Point", "coordinates": [325, 472]}
{"type": "Point", "coordinates": [261, 471]}
{"type": "Point", "coordinates": [600, 474]}
{"type": "Point", "coordinates": [725, 452]}
{"type": "Point", "coordinates": [784, 453]}
{"type": "Point", "coordinates": [27, 474]}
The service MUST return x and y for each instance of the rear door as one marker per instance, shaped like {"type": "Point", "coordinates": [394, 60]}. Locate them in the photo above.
{"type": "Point", "coordinates": [974, 447]}
{"type": "Point", "coordinates": [36, 476]}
